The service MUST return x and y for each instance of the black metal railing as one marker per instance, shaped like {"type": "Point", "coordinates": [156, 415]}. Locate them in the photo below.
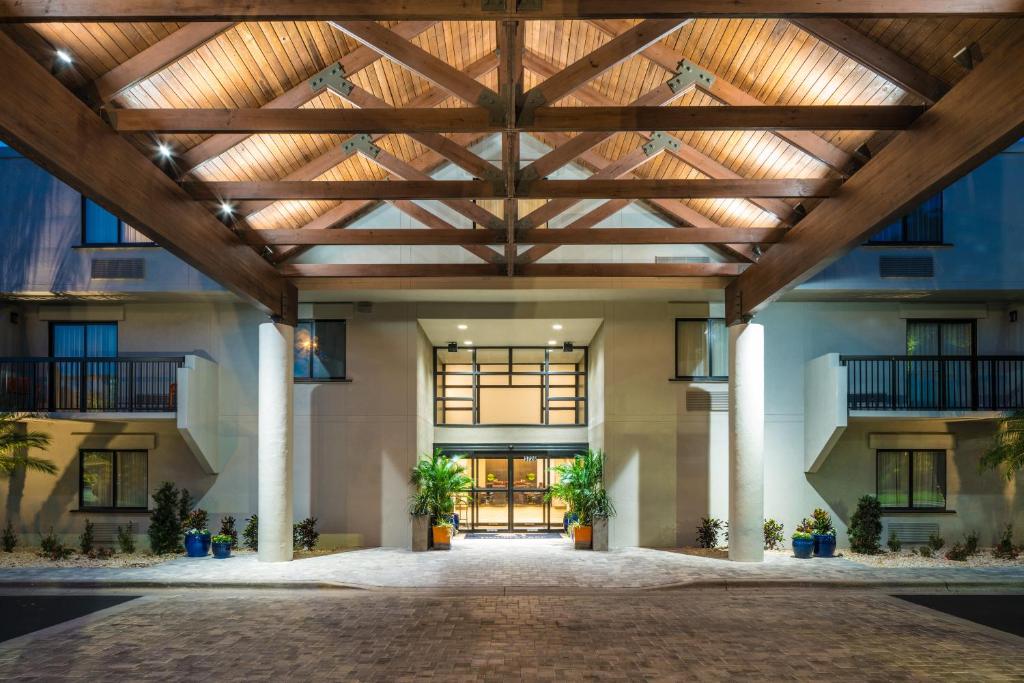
{"type": "Point", "coordinates": [122, 385]}
{"type": "Point", "coordinates": [935, 382]}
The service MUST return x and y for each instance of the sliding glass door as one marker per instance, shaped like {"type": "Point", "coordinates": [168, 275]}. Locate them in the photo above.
{"type": "Point", "coordinates": [79, 383]}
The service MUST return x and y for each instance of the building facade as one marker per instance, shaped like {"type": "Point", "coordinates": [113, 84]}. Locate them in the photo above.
{"type": "Point", "coordinates": [884, 374]}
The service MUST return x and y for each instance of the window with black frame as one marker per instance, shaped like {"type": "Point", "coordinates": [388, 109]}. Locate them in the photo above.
{"type": "Point", "coordinates": [320, 351]}
{"type": "Point", "coordinates": [702, 349]}
{"type": "Point", "coordinates": [911, 480]}
{"type": "Point", "coordinates": [921, 226]}
{"type": "Point", "coordinates": [100, 228]}
{"type": "Point", "coordinates": [113, 480]}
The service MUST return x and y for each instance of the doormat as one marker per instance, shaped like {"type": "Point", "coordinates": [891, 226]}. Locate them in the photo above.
{"type": "Point", "coordinates": [549, 534]}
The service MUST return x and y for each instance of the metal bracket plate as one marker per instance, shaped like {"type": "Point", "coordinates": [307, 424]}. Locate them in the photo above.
{"type": "Point", "coordinates": [361, 144]}
{"type": "Point", "coordinates": [660, 140]}
{"type": "Point", "coordinates": [332, 78]}
{"type": "Point", "coordinates": [534, 98]}
{"type": "Point", "coordinates": [688, 75]}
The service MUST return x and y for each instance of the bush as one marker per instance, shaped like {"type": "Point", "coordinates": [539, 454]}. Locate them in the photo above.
{"type": "Point", "coordinates": [165, 522]}
{"type": "Point", "coordinates": [822, 523]}
{"type": "Point", "coordinates": [51, 547]}
{"type": "Point", "coordinates": [935, 542]}
{"type": "Point", "coordinates": [196, 521]}
{"type": "Point", "coordinates": [925, 551]}
{"type": "Point", "coordinates": [773, 534]}
{"type": "Point", "coordinates": [894, 543]}
{"type": "Point", "coordinates": [305, 535]}
{"type": "Point", "coordinates": [9, 538]}
{"type": "Point", "coordinates": [227, 528]}
{"type": "Point", "coordinates": [1005, 550]}
{"type": "Point", "coordinates": [866, 526]}
{"type": "Point", "coordinates": [222, 538]}
{"type": "Point", "coordinates": [707, 532]}
{"type": "Point", "coordinates": [100, 553]}
{"type": "Point", "coordinates": [958, 552]}
{"type": "Point", "coordinates": [184, 505]}
{"type": "Point", "coordinates": [971, 543]}
{"type": "Point", "coordinates": [86, 540]}
{"type": "Point", "coordinates": [251, 533]}
{"type": "Point", "coordinates": [126, 538]}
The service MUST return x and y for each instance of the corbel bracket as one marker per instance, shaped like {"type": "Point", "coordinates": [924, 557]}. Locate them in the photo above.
{"type": "Point", "coordinates": [361, 144]}
{"type": "Point", "coordinates": [688, 75]}
{"type": "Point", "coordinates": [332, 78]}
{"type": "Point", "coordinates": [659, 141]}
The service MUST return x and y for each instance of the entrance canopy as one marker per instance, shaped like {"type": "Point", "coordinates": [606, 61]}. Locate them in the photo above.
{"type": "Point", "coordinates": [777, 134]}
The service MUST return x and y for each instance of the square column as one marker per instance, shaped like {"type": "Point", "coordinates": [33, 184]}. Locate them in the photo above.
{"type": "Point", "coordinates": [746, 442]}
{"type": "Point", "coordinates": [274, 473]}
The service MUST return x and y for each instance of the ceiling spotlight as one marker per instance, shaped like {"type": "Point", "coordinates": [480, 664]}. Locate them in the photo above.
{"type": "Point", "coordinates": [467, 343]}
{"type": "Point", "coordinates": [64, 56]}
{"type": "Point", "coordinates": [556, 326]}
{"type": "Point", "coordinates": [226, 208]}
{"type": "Point", "coordinates": [463, 326]}
{"type": "Point", "coordinates": [164, 150]}
{"type": "Point", "coordinates": [552, 342]}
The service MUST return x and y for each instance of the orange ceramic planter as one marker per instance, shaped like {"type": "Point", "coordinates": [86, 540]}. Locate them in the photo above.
{"type": "Point", "coordinates": [584, 537]}
{"type": "Point", "coordinates": [442, 537]}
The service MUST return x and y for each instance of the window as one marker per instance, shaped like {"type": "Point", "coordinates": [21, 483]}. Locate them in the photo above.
{"type": "Point", "coordinates": [83, 340]}
{"type": "Point", "coordinates": [921, 226]}
{"type": "Point", "coordinates": [320, 350]}
{"type": "Point", "coordinates": [501, 385]}
{"type": "Point", "coordinates": [702, 349]}
{"type": "Point", "coordinates": [911, 480]}
{"type": "Point", "coordinates": [102, 228]}
{"type": "Point", "coordinates": [940, 337]}
{"type": "Point", "coordinates": [113, 480]}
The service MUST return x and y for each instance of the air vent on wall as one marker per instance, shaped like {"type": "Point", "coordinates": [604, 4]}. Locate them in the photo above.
{"type": "Point", "coordinates": [118, 268]}
{"type": "Point", "coordinates": [906, 266]}
{"type": "Point", "coordinates": [912, 532]}
{"type": "Point", "coordinates": [700, 401]}
{"type": "Point", "coordinates": [682, 259]}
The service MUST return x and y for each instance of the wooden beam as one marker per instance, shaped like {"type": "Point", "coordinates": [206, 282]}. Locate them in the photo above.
{"type": "Point", "coordinates": [419, 61]}
{"type": "Point", "coordinates": [415, 270]}
{"type": "Point", "coordinates": [293, 98]}
{"type": "Point", "coordinates": [511, 37]}
{"type": "Point", "coordinates": [342, 189]}
{"type": "Point", "coordinates": [701, 188]}
{"type": "Point", "coordinates": [979, 117]}
{"type": "Point", "coordinates": [373, 236]}
{"type": "Point", "coordinates": [878, 58]}
{"type": "Point", "coordinates": [724, 91]}
{"type": "Point", "coordinates": [631, 269]}
{"type": "Point", "coordinates": [43, 120]}
{"type": "Point", "coordinates": [451, 10]}
{"type": "Point", "coordinates": [590, 66]}
{"type": "Point", "coordinates": [337, 270]}
{"type": "Point", "coordinates": [160, 54]}
{"type": "Point", "coordinates": [652, 236]}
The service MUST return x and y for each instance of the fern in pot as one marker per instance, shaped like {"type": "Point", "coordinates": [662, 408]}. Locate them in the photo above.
{"type": "Point", "coordinates": [439, 481]}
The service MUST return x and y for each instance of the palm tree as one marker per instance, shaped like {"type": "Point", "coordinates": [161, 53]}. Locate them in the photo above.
{"type": "Point", "coordinates": [439, 480]}
{"type": "Point", "coordinates": [581, 486]}
{"type": "Point", "coordinates": [14, 445]}
{"type": "Point", "coordinates": [1007, 446]}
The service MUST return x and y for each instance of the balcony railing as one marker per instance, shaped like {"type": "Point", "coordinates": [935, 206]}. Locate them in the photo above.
{"type": "Point", "coordinates": [119, 385]}
{"type": "Point", "coordinates": [935, 382]}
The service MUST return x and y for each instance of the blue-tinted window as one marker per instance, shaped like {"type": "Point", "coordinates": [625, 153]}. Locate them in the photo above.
{"type": "Point", "coordinates": [923, 225]}
{"type": "Point", "coordinates": [320, 350]}
{"type": "Point", "coordinates": [99, 226]}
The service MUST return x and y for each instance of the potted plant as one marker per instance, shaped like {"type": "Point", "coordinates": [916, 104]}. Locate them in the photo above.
{"type": "Point", "coordinates": [419, 508]}
{"type": "Point", "coordinates": [221, 544]}
{"type": "Point", "coordinates": [824, 533]}
{"type": "Point", "coordinates": [803, 544]}
{"type": "Point", "coordinates": [580, 486]}
{"type": "Point", "coordinates": [197, 535]}
{"type": "Point", "coordinates": [440, 479]}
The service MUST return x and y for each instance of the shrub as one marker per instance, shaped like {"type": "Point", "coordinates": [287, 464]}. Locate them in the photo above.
{"type": "Point", "coordinates": [227, 528]}
{"type": "Point", "coordinates": [806, 526]}
{"type": "Point", "coordinates": [165, 522]}
{"type": "Point", "coordinates": [935, 542]}
{"type": "Point", "coordinates": [971, 543]}
{"type": "Point", "coordinates": [822, 523]}
{"type": "Point", "coordinates": [52, 548]}
{"type": "Point", "coordinates": [86, 540]}
{"type": "Point", "coordinates": [223, 538]}
{"type": "Point", "coordinates": [772, 534]}
{"type": "Point", "coordinates": [1005, 549]}
{"type": "Point", "coordinates": [866, 526]}
{"type": "Point", "coordinates": [925, 551]}
{"type": "Point", "coordinates": [958, 552]}
{"type": "Point", "coordinates": [305, 535]}
{"type": "Point", "coordinates": [184, 505]}
{"type": "Point", "coordinates": [9, 538]}
{"type": "Point", "coordinates": [196, 521]}
{"type": "Point", "coordinates": [707, 532]}
{"type": "Point", "coordinates": [802, 535]}
{"type": "Point", "coordinates": [100, 553]}
{"type": "Point", "coordinates": [126, 538]}
{"type": "Point", "coordinates": [894, 543]}
{"type": "Point", "coordinates": [251, 533]}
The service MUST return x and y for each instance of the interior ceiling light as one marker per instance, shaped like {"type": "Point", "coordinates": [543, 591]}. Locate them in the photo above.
{"type": "Point", "coordinates": [463, 326]}
{"type": "Point", "coordinates": [226, 208]}
{"type": "Point", "coordinates": [556, 326]}
{"type": "Point", "coordinates": [64, 56]}
{"type": "Point", "coordinates": [164, 150]}
{"type": "Point", "coordinates": [468, 342]}
{"type": "Point", "coordinates": [552, 342]}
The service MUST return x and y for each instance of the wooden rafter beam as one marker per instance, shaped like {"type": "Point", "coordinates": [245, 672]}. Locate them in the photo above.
{"type": "Point", "coordinates": [478, 120]}
{"type": "Point", "coordinates": [409, 270]}
{"type": "Point", "coordinates": [876, 57]}
{"type": "Point", "coordinates": [374, 236]}
{"type": "Point", "coordinates": [684, 235]}
{"type": "Point", "coordinates": [511, 41]}
{"type": "Point", "coordinates": [452, 10]}
{"type": "Point", "coordinates": [979, 116]}
{"type": "Point", "coordinates": [48, 124]}
{"type": "Point", "coordinates": [293, 98]}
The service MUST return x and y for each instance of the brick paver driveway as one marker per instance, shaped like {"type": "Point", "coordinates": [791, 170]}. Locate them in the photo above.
{"type": "Point", "coordinates": [713, 634]}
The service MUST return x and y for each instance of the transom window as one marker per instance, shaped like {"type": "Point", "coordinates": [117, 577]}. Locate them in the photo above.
{"type": "Point", "coordinates": [923, 225]}
{"type": "Point", "coordinates": [510, 386]}
{"type": "Point", "coordinates": [702, 349]}
{"type": "Point", "coordinates": [113, 480]}
{"type": "Point", "coordinates": [102, 228]}
{"type": "Point", "coordinates": [320, 350]}
{"type": "Point", "coordinates": [911, 480]}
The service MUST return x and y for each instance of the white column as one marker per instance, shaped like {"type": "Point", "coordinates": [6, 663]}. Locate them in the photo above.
{"type": "Point", "coordinates": [275, 442]}
{"type": "Point", "coordinates": [746, 442]}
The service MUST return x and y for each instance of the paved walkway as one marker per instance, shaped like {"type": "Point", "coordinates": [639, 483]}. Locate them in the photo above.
{"type": "Point", "coordinates": [710, 635]}
{"type": "Point", "coordinates": [500, 565]}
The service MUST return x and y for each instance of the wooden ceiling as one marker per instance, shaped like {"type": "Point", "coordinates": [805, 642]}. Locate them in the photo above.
{"type": "Point", "coordinates": [810, 70]}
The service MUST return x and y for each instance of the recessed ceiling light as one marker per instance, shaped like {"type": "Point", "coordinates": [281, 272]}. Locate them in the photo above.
{"type": "Point", "coordinates": [552, 342]}
{"type": "Point", "coordinates": [556, 326]}
{"type": "Point", "coordinates": [463, 326]}
{"type": "Point", "coordinates": [467, 343]}
{"type": "Point", "coordinates": [164, 150]}
{"type": "Point", "coordinates": [64, 56]}
{"type": "Point", "coordinates": [226, 208]}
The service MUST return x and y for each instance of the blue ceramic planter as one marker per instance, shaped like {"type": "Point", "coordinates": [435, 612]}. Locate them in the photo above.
{"type": "Point", "coordinates": [568, 519]}
{"type": "Point", "coordinates": [803, 547]}
{"type": "Point", "coordinates": [824, 545]}
{"type": "Point", "coordinates": [197, 545]}
{"type": "Point", "coordinates": [222, 550]}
